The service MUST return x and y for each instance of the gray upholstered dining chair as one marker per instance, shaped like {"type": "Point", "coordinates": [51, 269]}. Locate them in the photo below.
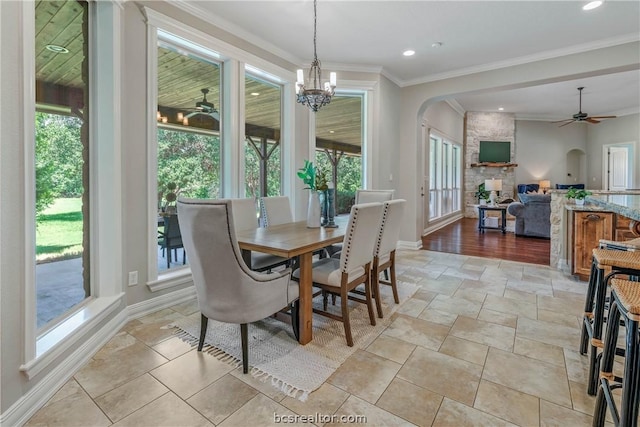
{"type": "Point", "coordinates": [384, 251]}
{"type": "Point", "coordinates": [370, 196]}
{"type": "Point", "coordinates": [341, 277]}
{"type": "Point", "coordinates": [245, 218]}
{"type": "Point", "coordinates": [227, 290]}
{"type": "Point", "coordinates": [275, 210]}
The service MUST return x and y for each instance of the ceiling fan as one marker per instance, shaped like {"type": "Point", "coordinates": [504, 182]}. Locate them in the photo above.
{"type": "Point", "coordinates": [583, 117]}
{"type": "Point", "coordinates": [204, 107]}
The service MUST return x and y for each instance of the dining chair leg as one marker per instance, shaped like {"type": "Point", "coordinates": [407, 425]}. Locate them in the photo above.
{"type": "Point", "coordinates": [295, 318]}
{"type": "Point", "coordinates": [245, 347]}
{"type": "Point", "coordinates": [344, 301]}
{"type": "Point", "coordinates": [375, 288]}
{"type": "Point", "coordinates": [204, 320]}
{"type": "Point", "coordinates": [394, 283]}
{"type": "Point", "coordinates": [367, 296]}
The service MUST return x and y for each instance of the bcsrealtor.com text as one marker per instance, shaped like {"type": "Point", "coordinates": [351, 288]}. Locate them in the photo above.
{"type": "Point", "coordinates": [319, 419]}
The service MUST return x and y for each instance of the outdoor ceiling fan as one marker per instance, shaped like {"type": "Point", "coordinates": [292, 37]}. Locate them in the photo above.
{"type": "Point", "coordinates": [583, 117]}
{"type": "Point", "coordinates": [204, 107]}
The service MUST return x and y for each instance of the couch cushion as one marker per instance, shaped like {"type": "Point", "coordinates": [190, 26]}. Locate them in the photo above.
{"type": "Point", "coordinates": [535, 198]}
{"type": "Point", "coordinates": [526, 188]}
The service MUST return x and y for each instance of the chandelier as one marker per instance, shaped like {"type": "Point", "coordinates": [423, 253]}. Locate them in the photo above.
{"type": "Point", "coordinates": [315, 95]}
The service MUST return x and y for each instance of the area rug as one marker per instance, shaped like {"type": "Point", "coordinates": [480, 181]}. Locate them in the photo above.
{"type": "Point", "coordinates": [275, 355]}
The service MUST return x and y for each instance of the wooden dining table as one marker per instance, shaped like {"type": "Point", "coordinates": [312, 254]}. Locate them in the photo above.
{"type": "Point", "coordinates": [291, 240]}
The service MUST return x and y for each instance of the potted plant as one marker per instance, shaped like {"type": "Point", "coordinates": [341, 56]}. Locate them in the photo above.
{"type": "Point", "coordinates": [482, 195]}
{"type": "Point", "coordinates": [577, 194]}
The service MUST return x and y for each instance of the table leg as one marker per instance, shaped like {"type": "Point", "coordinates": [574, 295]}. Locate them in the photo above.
{"type": "Point", "coordinates": [306, 296]}
{"type": "Point", "coordinates": [504, 220]}
{"type": "Point", "coordinates": [480, 215]}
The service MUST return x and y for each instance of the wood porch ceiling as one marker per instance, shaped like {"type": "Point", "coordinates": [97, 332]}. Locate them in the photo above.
{"type": "Point", "coordinates": [59, 84]}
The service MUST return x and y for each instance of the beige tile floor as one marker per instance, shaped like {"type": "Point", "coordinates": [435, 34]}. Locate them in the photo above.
{"type": "Point", "coordinates": [483, 342]}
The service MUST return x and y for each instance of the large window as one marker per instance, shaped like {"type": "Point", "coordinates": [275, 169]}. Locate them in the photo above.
{"type": "Point", "coordinates": [339, 136]}
{"type": "Point", "coordinates": [445, 167]}
{"type": "Point", "coordinates": [61, 158]}
{"type": "Point", "coordinates": [262, 158]}
{"type": "Point", "coordinates": [188, 144]}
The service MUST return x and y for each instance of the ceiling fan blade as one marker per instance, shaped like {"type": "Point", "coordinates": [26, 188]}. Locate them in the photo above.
{"type": "Point", "coordinates": [568, 123]}
{"type": "Point", "coordinates": [592, 120]}
{"type": "Point", "coordinates": [603, 117]}
{"type": "Point", "coordinates": [565, 120]}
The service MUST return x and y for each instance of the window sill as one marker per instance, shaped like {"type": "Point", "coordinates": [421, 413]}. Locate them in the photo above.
{"type": "Point", "coordinates": [63, 336]}
{"type": "Point", "coordinates": [171, 279]}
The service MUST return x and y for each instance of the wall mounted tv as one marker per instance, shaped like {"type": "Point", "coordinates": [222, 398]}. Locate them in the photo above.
{"type": "Point", "coordinates": [495, 152]}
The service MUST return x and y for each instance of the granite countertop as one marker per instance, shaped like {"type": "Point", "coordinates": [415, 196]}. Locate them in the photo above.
{"type": "Point", "coordinates": [624, 204]}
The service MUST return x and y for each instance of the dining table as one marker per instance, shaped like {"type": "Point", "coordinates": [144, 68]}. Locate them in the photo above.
{"type": "Point", "coordinates": [292, 240]}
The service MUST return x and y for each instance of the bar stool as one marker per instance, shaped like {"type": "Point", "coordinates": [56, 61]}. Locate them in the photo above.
{"type": "Point", "coordinates": [625, 303]}
{"type": "Point", "coordinates": [619, 262]}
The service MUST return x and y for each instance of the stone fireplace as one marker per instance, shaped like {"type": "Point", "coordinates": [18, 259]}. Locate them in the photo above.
{"type": "Point", "coordinates": [487, 127]}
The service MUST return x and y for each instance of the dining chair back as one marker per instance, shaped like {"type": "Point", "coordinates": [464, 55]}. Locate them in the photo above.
{"type": "Point", "coordinates": [370, 196]}
{"type": "Point", "coordinates": [342, 276]}
{"type": "Point", "coordinates": [384, 250]}
{"type": "Point", "coordinates": [245, 218]}
{"type": "Point", "coordinates": [275, 210]}
{"type": "Point", "coordinates": [245, 214]}
{"type": "Point", "coordinates": [227, 290]}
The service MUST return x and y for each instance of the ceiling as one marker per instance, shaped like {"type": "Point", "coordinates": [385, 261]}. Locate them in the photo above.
{"type": "Point", "coordinates": [475, 36]}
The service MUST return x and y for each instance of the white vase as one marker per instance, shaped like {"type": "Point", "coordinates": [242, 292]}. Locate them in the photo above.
{"type": "Point", "coordinates": [313, 210]}
{"type": "Point", "coordinates": [579, 202]}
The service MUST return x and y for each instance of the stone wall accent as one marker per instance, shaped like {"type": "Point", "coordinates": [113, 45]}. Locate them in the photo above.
{"type": "Point", "coordinates": [487, 127]}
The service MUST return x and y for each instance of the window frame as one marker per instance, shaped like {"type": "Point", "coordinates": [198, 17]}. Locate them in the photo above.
{"type": "Point", "coordinates": [446, 178]}
{"type": "Point", "coordinates": [44, 348]}
{"type": "Point", "coordinates": [233, 60]}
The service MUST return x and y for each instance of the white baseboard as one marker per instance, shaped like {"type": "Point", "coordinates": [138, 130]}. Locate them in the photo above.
{"type": "Point", "coordinates": [405, 244]}
{"type": "Point", "coordinates": [20, 412]}
{"type": "Point", "coordinates": [440, 224]}
{"type": "Point", "coordinates": [161, 302]}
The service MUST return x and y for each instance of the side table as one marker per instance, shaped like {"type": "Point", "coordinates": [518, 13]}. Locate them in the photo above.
{"type": "Point", "coordinates": [482, 211]}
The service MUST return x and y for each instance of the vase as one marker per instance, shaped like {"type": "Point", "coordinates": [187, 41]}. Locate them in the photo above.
{"type": "Point", "coordinates": [579, 202]}
{"type": "Point", "coordinates": [313, 210]}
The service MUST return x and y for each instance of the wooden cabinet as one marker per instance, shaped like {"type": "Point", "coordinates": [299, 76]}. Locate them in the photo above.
{"type": "Point", "coordinates": [588, 229]}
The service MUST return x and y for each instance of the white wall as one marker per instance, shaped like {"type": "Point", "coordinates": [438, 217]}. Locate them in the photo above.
{"type": "Point", "coordinates": [542, 148]}
{"type": "Point", "coordinates": [446, 120]}
{"type": "Point", "coordinates": [620, 130]}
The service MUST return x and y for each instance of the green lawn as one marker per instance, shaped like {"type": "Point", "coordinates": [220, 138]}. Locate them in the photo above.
{"type": "Point", "coordinates": [59, 230]}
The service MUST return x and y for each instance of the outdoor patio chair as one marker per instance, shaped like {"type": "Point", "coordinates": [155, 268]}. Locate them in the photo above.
{"type": "Point", "coordinates": [227, 289]}
{"type": "Point", "coordinates": [171, 239]}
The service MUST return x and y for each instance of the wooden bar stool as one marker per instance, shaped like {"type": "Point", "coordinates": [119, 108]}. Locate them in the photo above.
{"type": "Point", "coordinates": [625, 303]}
{"type": "Point", "coordinates": [618, 262]}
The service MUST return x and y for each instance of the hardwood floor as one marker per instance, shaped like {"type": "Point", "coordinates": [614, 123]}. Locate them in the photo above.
{"type": "Point", "coordinates": [462, 237]}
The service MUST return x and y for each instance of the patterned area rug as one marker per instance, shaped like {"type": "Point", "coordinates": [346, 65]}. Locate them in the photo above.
{"type": "Point", "coordinates": [275, 355]}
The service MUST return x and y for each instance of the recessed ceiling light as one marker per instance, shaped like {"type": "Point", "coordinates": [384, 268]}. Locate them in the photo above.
{"type": "Point", "coordinates": [592, 5]}
{"type": "Point", "coordinates": [56, 48]}
{"type": "Point", "coordinates": [255, 93]}
{"type": "Point", "coordinates": [409, 52]}
{"type": "Point", "coordinates": [500, 108]}
{"type": "Point", "coordinates": [332, 131]}
{"type": "Point", "coordinates": [436, 45]}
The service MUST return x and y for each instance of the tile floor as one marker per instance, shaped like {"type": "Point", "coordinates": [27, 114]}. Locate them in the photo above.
{"type": "Point", "coordinates": [483, 342]}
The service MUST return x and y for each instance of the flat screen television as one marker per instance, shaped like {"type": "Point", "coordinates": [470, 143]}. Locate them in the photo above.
{"type": "Point", "coordinates": [495, 152]}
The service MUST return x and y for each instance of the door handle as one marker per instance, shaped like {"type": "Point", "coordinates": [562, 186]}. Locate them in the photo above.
{"type": "Point", "coordinates": [594, 217]}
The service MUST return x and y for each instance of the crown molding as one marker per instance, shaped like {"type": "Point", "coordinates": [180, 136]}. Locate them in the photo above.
{"type": "Point", "coordinates": [456, 106]}
{"type": "Point", "coordinates": [550, 54]}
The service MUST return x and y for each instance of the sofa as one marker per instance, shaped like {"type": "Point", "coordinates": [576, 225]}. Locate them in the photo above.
{"type": "Point", "coordinates": [533, 215]}
{"type": "Point", "coordinates": [567, 186]}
